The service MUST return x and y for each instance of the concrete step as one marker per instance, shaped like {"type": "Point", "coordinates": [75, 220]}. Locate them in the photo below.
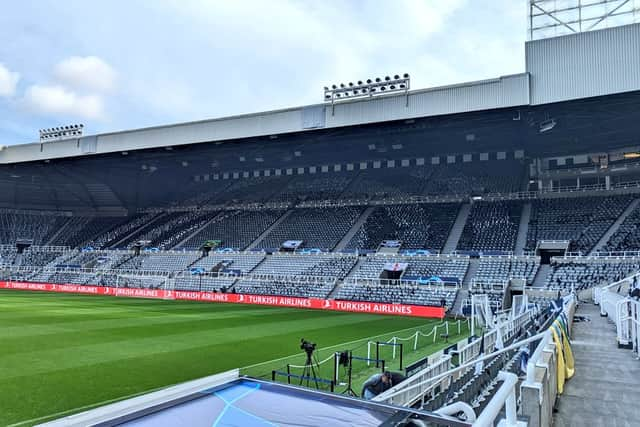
{"type": "Point", "coordinates": [58, 233]}
{"type": "Point", "coordinates": [186, 239]}
{"type": "Point", "coordinates": [139, 230]}
{"type": "Point", "coordinates": [353, 230]}
{"type": "Point", "coordinates": [521, 242]}
{"type": "Point", "coordinates": [541, 276]}
{"type": "Point", "coordinates": [474, 264]}
{"type": "Point", "coordinates": [264, 234]}
{"type": "Point", "coordinates": [456, 231]}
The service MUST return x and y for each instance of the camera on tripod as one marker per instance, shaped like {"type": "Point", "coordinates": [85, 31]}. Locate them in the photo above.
{"type": "Point", "coordinates": [308, 346]}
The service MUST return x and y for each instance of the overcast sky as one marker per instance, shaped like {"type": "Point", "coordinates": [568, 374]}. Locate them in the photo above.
{"type": "Point", "coordinates": [122, 64]}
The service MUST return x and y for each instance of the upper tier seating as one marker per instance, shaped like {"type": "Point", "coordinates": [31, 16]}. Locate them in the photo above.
{"type": "Point", "coordinates": [82, 229]}
{"type": "Point", "coordinates": [314, 187]}
{"type": "Point", "coordinates": [388, 183]}
{"type": "Point", "coordinates": [581, 220]}
{"type": "Point", "coordinates": [235, 229]}
{"type": "Point", "coordinates": [252, 190]}
{"type": "Point", "coordinates": [417, 226]}
{"type": "Point", "coordinates": [38, 227]}
{"type": "Point", "coordinates": [116, 234]}
{"type": "Point", "coordinates": [320, 228]}
{"type": "Point", "coordinates": [491, 226]}
{"type": "Point", "coordinates": [495, 176]}
{"type": "Point", "coordinates": [627, 236]}
{"type": "Point", "coordinates": [167, 231]}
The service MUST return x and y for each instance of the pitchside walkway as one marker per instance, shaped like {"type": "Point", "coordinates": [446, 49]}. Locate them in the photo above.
{"type": "Point", "coordinates": [605, 390]}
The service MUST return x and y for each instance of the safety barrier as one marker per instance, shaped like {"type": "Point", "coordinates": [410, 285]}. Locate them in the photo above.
{"type": "Point", "coordinates": [622, 310]}
{"type": "Point", "coordinates": [539, 389]}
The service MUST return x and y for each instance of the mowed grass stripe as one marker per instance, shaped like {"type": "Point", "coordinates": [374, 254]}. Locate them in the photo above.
{"type": "Point", "coordinates": [49, 328]}
{"type": "Point", "coordinates": [46, 359]}
{"type": "Point", "coordinates": [130, 329]}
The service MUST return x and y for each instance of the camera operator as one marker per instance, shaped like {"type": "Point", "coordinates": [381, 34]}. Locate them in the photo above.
{"type": "Point", "coordinates": [379, 383]}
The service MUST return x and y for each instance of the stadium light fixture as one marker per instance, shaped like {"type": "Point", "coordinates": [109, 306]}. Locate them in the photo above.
{"type": "Point", "coordinates": [370, 87]}
{"type": "Point", "coordinates": [61, 132]}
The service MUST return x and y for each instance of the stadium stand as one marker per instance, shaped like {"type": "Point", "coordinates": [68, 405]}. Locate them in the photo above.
{"type": "Point", "coordinates": [582, 221]}
{"type": "Point", "coordinates": [326, 187]}
{"type": "Point", "coordinates": [450, 269]}
{"type": "Point", "coordinates": [161, 261]}
{"type": "Point", "coordinates": [167, 231]}
{"type": "Point", "coordinates": [417, 226]}
{"type": "Point", "coordinates": [235, 229]}
{"type": "Point", "coordinates": [491, 227]}
{"type": "Point", "coordinates": [499, 269]}
{"type": "Point", "coordinates": [83, 229]}
{"type": "Point", "coordinates": [398, 293]}
{"type": "Point", "coordinates": [320, 228]}
{"type": "Point", "coordinates": [39, 227]}
{"type": "Point", "coordinates": [627, 236]}
{"type": "Point", "coordinates": [389, 183]}
{"type": "Point", "coordinates": [583, 273]}
{"type": "Point", "coordinates": [475, 178]}
{"type": "Point", "coordinates": [116, 234]}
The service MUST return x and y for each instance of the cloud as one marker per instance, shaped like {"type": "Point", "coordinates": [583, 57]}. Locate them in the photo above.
{"type": "Point", "coordinates": [86, 73]}
{"type": "Point", "coordinates": [58, 100]}
{"type": "Point", "coordinates": [8, 81]}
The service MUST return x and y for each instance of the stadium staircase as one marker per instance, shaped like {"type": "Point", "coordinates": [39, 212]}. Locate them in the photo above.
{"type": "Point", "coordinates": [186, 239]}
{"type": "Point", "coordinates": [541, 276]}
{"type": "Point", "coordinates": [521, 241]}
{"type": "Point", "coordinates": [359, 223]}
{"type": "Point", "coordinates": [456, 230]}
{"type": "Point", "coordinates": [614, 227]}
{"type": "Point", "coordinates": [349, 275]}
{"type": "Point", "coordinates": [266, 232]}
{"type": "Point", "coordinates": [604, 389]}
{"type": "Point", "coordinates": [461, 297]}
{"type": "Point", "coordinates": [138, 231]}
{"type": "Point", "coordinates": [474, 264]}
{"type": "Point", "coordinates": [58, 233]}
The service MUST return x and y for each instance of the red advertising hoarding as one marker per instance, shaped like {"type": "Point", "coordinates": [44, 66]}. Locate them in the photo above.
{"type": "Point", "coordinates": [279, 301]}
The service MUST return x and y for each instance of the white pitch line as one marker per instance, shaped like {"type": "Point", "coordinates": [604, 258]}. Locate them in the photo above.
{"type": "Point", "coordinates": [89, 406]}
{"type": "Point", "coordinates": [92, 405]}
{"type": "Point", "coordinates": [327, 348]}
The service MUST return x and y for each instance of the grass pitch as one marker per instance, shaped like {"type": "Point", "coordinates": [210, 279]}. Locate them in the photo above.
{"type": "Point", "coordinates": [61, 354]}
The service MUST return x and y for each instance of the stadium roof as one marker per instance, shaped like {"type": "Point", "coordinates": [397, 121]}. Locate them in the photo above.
{"type": "Point", "coordinates": [563, 68]}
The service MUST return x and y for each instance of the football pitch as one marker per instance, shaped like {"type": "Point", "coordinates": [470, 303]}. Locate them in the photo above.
{"type": "Point", "coordinates": [62, 353]}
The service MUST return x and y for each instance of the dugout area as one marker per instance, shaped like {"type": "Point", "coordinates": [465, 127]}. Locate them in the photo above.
{"type": "Point", "coordinates": [230, 400]}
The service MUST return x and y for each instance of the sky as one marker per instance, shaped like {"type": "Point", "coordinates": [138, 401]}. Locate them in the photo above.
{"type": "Point", "coordinates": [116, 64]}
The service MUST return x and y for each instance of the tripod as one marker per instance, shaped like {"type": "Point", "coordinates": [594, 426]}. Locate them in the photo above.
{"type": "Point", "coordinates": [349, 390]}
{"type": "Point", "coordinates": [309, 371]}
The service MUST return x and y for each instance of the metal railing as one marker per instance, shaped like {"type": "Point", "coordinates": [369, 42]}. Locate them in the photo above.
{"type": "Point", "coordinates": [622, 310]}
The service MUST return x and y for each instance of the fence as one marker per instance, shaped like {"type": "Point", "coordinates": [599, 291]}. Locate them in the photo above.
{"type": "Point", "coordinates": [416, 387]}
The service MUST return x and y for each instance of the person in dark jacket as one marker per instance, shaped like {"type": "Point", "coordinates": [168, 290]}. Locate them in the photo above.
{"type": "Point", "coordinates": [379, 383]}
